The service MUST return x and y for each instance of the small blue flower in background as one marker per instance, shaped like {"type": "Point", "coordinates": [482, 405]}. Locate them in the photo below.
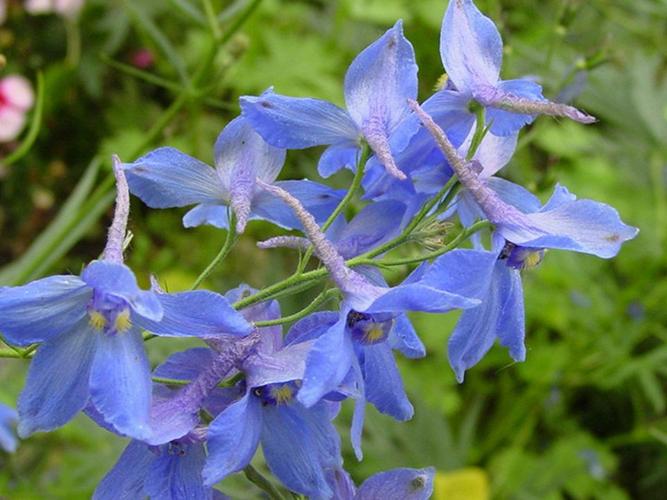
{"type": "Point", "coordinates": [377, 85]}
{"type": "Point", "coordinates": [8, 420]}
{"type": "Point", "coordinates": [89, 331]}
{"type": "Point", "coordinates": [395, 484]}
{"type": "Point", "coordinates": [167, 178]}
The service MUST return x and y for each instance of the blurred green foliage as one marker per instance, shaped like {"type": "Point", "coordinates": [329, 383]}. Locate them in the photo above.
{"type": "Point", "coordinates": [583, 417]}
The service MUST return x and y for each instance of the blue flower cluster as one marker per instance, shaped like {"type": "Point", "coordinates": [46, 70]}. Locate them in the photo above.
{"type": "Point", "coordinates": [202, 414]}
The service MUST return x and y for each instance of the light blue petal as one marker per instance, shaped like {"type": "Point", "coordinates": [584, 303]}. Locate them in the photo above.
{"type": "Point", "coordinates": [470, 46]}
{"type": "Point", "coordinates": [478, 328]}
{"type": "Point", "coordinates": [57, 385]}
{"type": "Point", "coordinates": [176, 474]}
{"type": "Point", "coordinates": [120, 383]}
{"type": "Point", "coordinates": [167, 178]}
{"type": "Point", "coordinates": [233, 437]}
{"type": "Point", "coordinates": [118, 280]}
{"type": "Point", "coordinates": [462, 271]}
{"type": "Point", "coordinates": [341, 483]}
{"type": "Point", "coordinates": [515, 195]}
{"type": "Point", "coordinates": [337, 156]}
{"type": "Point", "coordinates": [494, 152]}
{"type": "Point", "coordinates": [318, 199]}
{"type": "Point", "coordinates": [299, 444]}
{"type": "Point", "coordinates": [199, 313]}
{"type": "Point", "coordinates": [285, 365]}
{"type": "Point", "coordinates": [311, 327]}
{"type": "Point", "coordinates": [43, 309]}
{"type": "Point", "coordinates": [404, 338]}
{"type": "Point", "coordinates": [296, 122]}
{"type": "Point", "coordinates": [125, 481]}
{"type": "Point", "coordinates": [398, 484]}
{"type": "Point", "coordinates": [215, 215]}
{"type": "Point", "coordinates": [560, 196]}
{"type": "Point", "coordinates": [507, 123]}
{"type": "Point", "coordinates": [380, 81]}
{"type": "Point", "coordinates": [271, 336]}
{"type": "Point", "coordinates": [328, 363]}
{"type": "Point", "coordinates": [186, 365]}
{"type": "Point", "coordinates": [384, 386]}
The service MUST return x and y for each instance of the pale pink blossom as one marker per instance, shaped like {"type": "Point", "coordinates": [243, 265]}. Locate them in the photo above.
{"type": "Point", "coordinates": [65, 8]}
{"type": "Point", "coordinates": [16, 99]}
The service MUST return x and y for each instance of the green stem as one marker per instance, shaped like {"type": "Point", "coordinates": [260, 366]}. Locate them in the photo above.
{"type": "Point", "coordinates": [240, 21]}
{"type": "Point", "coordinates": [212, 20]}
{"type": "Point", "coordinates": [73, 33]}
{"type": "Point", "coordinates": [224, 251]}
{"type": "Point", "coordinates": [256, 478]}
{"type": "Point", "coordinates": [480, 132]}
{"type": "Point", "coordinates": [35, 125]}
{"type": "Point", "coordinates": [318, 301]}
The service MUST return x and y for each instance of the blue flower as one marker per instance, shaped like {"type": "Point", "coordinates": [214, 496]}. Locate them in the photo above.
{"type": "Point", "coordinates": [471, 51]}
{"type": "Point", "coordinates": [395, 484]}
{"type": "Point", "coordinates": [90, 331]}
{"type": "Point", "coordinates": [167, 178]}
{"type": "Point", "coordinates": [377, 85]}
{"type": "Point", "coordinates": [8, 419]}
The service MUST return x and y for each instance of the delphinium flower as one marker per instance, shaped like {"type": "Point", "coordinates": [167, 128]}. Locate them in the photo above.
{"type": "Point", "coordinates": [89, 331]}
{"type": "Point", "coordinates": [353, 342]}
{"type": "Point", "coordinates": [8, 419]}
{"type": "Point", "coordinates": [377, 85]}
{"type": "Point", "coordinates": [16, 99]}
{"type": "Point", "coordinates": [523, 229]}
{"type": "Point", "coordinates": [167, 178]}
{"type": "Point", "coordinates": [395, 484]}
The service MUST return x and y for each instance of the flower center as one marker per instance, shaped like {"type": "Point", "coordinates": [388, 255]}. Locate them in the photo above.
{"type": "Point", "coordinates": [109, 314]}
{"type": "Point", "coordinates": [519, 257]}
{"type": "Point", "coordinates": [369, 328]}
{"type": "Point", "coordinates": [277, 394]}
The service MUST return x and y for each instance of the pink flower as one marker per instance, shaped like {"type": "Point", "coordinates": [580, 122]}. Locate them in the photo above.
{"type": "Point", "coordinates": [16, 98]}
{"type": "Point", "coordinates": [65, 8]}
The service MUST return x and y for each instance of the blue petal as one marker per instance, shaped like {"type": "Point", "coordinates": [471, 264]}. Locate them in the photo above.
{"type": "Point", "coordinates": [57, 385]}
{"type": "Point", "coordinates": [515, 195]}
{"type": "Point", "coordinates": [177, 474]}
{"type": "Point", "coordinates": [126, 480]}
{"type": "Point", "coordinates": [337, 156]}
{"type": "Point", "coordinates": [494, 152]}
{"type": "Point", "coordinates": [311, 327]}
{"type": "Point", "coordinates": [118, 280]}
{"type": "Point", "coordinates": [8, 419]}
{"type": "Point", "coordinates": [381, 79]}
{"type": "Point", "coordinates": [186, 365]}
{"type": "Point", "coordinates": [285, 365]}
{"type": "Point", "coordinates": [233, 438]}
{"type": "Point", "coordinates": [167, 178]}
{"type": "Point", "coordinates": [295, 122]}
{"type": "Point", "coordinates": [318, 199]}
{"type": "Point", "coordinates": [328, 363]}
{"type": "Point", "coordinates": [120, 383]}
{"type": "Point", "coordinates": [384, 386]}
{"type": "Point", "coordinates": [271, 336]}
{"type": "Point", "coordinates": [299, 444]}
{"type": "Point", "coordinates": [43, 309]}
{"type": "Point", "coordinates": [465, 272]}
{"type": "Point", "coordinates": [398, 484]}
{"type": "Point", "coordinates": [215, 215]}
{"type": "Point", "coordinates": [196, 314]}
{"type": "Point", "coordinates": [477, 329]}
{"type": "Point", "coordinates": [341, 483]}
{"type": "Point", "coordinates": [404, 338]}
{"type": "Point", "coordinates": [470, 46]}
{"type": "Point", "coordinates": [373, 225]}
{"type": "Point", "coordinates": [507, 123]}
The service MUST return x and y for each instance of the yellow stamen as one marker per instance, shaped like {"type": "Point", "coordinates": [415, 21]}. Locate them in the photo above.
{"type": "Point", "coordinates": [97, 320]}
{"type": "Point", "coordinates": [441, 83]}
{"type": "Point", "coordinates": [374, 333]}
{"type": "Point", "coordinates": [123, 322]}
{"type": "Point", "coordinates": [532, 260]}
{"type": "Point", "coordinates": [282, 394]}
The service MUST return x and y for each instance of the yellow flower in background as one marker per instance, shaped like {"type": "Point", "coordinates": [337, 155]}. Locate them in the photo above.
{"type": "Point", "coordinates": [470, 483]}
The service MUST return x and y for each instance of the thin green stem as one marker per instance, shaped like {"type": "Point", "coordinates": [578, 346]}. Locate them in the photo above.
{"type": "Point", "coordinates": [480, 132]}
{"type": "Point", "coordinates": [317, 302]}
{"type": "Point", "coordinates": [224, 251]}
{"type": "Point", "coordinates": [256, 478]}
{"type": "Point", "coordinates": [240, 21]}
{"type": "Point", "coordinates": [73, 33]}
{"type": "Point", "coordinates": [212, 20]}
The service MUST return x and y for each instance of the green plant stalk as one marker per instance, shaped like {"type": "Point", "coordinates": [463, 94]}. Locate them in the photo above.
{"type": "Point", "coordinates": [35, 125]}
{"type": "Point", "coordinates": [256, 478]}
{"type": "Point", "coordinates": [224, 251]}
{"type": "Point", "coordinates": [317, 302]}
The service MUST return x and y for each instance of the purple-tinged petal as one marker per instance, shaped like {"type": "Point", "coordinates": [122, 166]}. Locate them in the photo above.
{"type": "Point", "coordinates": [384, 386]}
{"type": "Point", "coordinates": [470, 46]}
{"type": "Point", "coordinates": [271, 337]}
{"type": "Point", "coordinates": [337, 156]}
{"type": "Point", "coordinates": [508, 123]}
{"type": "Point", "coordinates": [125, 481]}
{"type": "Point", "coordinates": [420, 297]}
{"type": "Point", "coordinates": [404, 338]}
{"type": "Point", "coordinates": [478, 328]}
{"type": "Point", "coordinates": [233, 437]}
{"type": "Point", "coordinates": [120, 383]}
{"type": "Point", "coordinates": [462, 271]}
{"type": "Point", "coordinates": [113, 251]}
{"type": "Point", "coordinates": [186, 365]}
{"type": "Point", "coordinates": [359, 415]}
{"type": "Point", "coordinates": [57, 385]}
{"type": "Point", "coordinates": [311, 327]}
{"type": "Point", "coordinates": [341, 483]}
{"type": "Point", "coordinates": [199, 313]}
{"type": "Point", "coordinates": [285, 365]}
{"type": "Point", "coordinates": [398, 484]}
{"type": "Point", "coordinates": [299, 444]}
{"type": "Point", "coordinates": [216, 215]}
{"type": "Point", "coordinates": [328, 363]}
{"type": "Point", "coordinates": [241, 157]}
{"type": "Point", "coordinates": [118, 280]}
{"type": "Point", "coordinates": [43, 309]}
{"type": "Point", "coordinates": [494, 152]}
{"type": "Point", "coordinates": [296, 122]}
{"type": "Point", "coordinates": [318, 199]}
{"type": "Point", "coordinates": [8, 420]}
{"type": "Point", "coordinates": [176, 473]}
{"type": "Point", "coordinates": [381, 79]}
{"type": "Point", "coordinates": [167, 178]}
{"type": "Point", "coordinates": [514, 194]}
{"type": "Point", "coordinates": [378, 139]}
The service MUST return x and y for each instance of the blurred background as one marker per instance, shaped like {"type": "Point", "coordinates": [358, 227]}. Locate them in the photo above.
{"type": "Point", "coordinates": [584, 417]}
